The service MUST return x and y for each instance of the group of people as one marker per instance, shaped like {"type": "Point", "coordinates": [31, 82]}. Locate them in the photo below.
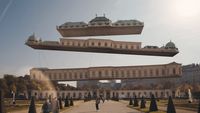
{"type": "Point", "coordinates": [51, 106]}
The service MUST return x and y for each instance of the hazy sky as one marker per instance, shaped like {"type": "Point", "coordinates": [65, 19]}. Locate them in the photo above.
{"type": "Point", "coordinates": [164, 20]}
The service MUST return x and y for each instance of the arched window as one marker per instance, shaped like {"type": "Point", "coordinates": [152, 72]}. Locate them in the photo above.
{"type": "Point", "coordinates": [116, 73]}
{"type": "Point", "coordinates": [99, 43]}
{"type": "Point", "coordinates": [174, 71]}
{"type": "Point", "coordinates": [80, 95]}
{"type": "Point", "coordinates": [55, 76]}
{"type": "Point", "coordinates": [128, 73]}
{"type": "Point", "coordinates": [92, 43]}
{"type": "Point", "coordinates": [86, 75]}
{"type": "Point", "coordinates": [93, 72]}
{"type": "Point", "coordinates": [74, 95]}
{"type": "Point", "coordinates": [132, 47]}
{"type": "Point", "coordinates": [145, 72]}
{"type": "Point", "coordinates": [50, 76]}
{"type": "Point", "coordinates": [138, 47]}
{"type": "Point", "coordinates": [139, 73]}
{"type": "Point", "coordinates": [122, 73]}
{"type": "Point", "coordinates": [81, 75]}
{"type": "Point", "coordinates": [133, 72]}
{"type": "Point", "coordinates": [151, 72]}
{"type": "Point", "coordinates": [113, 74]}
{"type": "Point", "coordinates": [65, 75]}
{"type": "Point", "coordinates": [120, 46]}
{"type": "Point", "coordinates": [100, 74]}
{"type": "Point", "coordinates": [60, 76]}
{"type": "Point", "coordinates": [106, 44]}
{"type": "Point", "coordinates": [70, 75]}
{"type": "Point", "coordinates": [128, 94]}
{"type": "Point", "coordinates": [163, 72]}
{"type": "Point", "coordinates": [126, 46]}
{"type": "Point", "coordinates": [75, 75]}
{"type": "Point", "coordinates": [106, 72]}
{"type": "Point", "coordinates": [157, 72]}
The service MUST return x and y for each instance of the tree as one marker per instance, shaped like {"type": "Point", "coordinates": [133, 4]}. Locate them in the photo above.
{"type": "Point", "coordinates": [32, 108]}
{"type": "Point", "coordinates": [153, 104]}
{"type": "Point", "coordinates": [2, 106]}
{"type": "Point", "coordinates": [11, 82]}
{"type": "Point", "coordinates": [60, 102]}
{"type": "Point", "coordinates": [170, 106]}
{"type": "Point", "coordinates": [4, 86]}
{"type": "Point", "coordinates": [71, 102]}
{"type": "Point", "coordinates": [21, 84]}
{"type": "Point", "coordinates": [135, 104]}
{"type": "Point", "coordinates": [199, 107]}
{"type": "Point", "coordinates": [66, 101]}
{"type": "Point", "coordinates": [143, 102]}
{"type": "Point", "coordinates": [10, 79]}
{"type": "Point", "coordinates": [130, 101]}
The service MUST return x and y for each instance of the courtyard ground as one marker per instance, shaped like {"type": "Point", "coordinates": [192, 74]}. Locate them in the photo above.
{"type": "Point", "coordinates": [106, 107]}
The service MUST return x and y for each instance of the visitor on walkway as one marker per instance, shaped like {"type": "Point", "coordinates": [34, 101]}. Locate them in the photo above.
{"type": "Point", "coordinates": [97, 103]}
{"type": "Point", "coordinates": [46, 107]}
{"type": "Point", "coordinates": [55, 106]}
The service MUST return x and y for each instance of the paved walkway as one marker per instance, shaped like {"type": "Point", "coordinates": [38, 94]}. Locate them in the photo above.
{"type": "Point", "coordinates": [178, 110]}
{"type": "Point", "coordinates": [106, 107]}
{"type": "Point", "coordinates": [26, 111]}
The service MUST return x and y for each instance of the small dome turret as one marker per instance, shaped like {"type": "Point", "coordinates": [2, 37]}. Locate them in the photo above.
{"type": "Point", "coordinates": [32, 38]}
{"type": "Point", "coordinates": [170, 45]}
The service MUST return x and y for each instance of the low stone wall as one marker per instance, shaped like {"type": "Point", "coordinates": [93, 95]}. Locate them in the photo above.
{"type": "Point", "coordinates": [122, 94]}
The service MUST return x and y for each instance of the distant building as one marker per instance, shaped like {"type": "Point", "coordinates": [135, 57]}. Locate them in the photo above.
{"type": "Point", "coordinates": [191, 74]}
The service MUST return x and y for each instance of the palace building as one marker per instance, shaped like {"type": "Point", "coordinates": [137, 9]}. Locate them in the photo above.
{"type": "Point", "coordinates": [103, 46]}
{"type": "Point", "coordinates": [100, 26]}
{"type": "Point", "coordinates": [108, 73]}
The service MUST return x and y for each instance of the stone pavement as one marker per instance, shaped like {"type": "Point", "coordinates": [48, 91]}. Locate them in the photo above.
{"type": "Point", "coordinates": [106, 107]}
{"type": "Point", "coordinates": [26, 111]}
{"type": "Point", "coordinates": [178, 110]}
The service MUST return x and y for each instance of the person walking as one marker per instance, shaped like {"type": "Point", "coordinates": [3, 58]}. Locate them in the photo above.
{"type": "Point", "coordinates": [97, 103]}
{"type": "Point", "coordinates": [55, 106]}
{"type": "Point", "coordinates": [46, 107]}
